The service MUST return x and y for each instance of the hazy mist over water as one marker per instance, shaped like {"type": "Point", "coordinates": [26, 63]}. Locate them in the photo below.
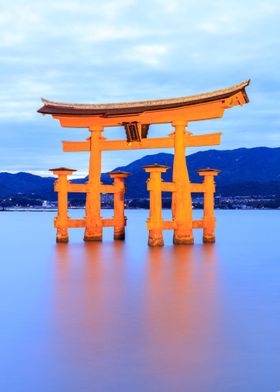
{"type": "Point", "coordinates": [120, 316]}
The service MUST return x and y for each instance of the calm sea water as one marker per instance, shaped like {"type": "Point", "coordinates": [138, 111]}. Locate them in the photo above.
{"type": "Point", "coordinates": [117, 316]}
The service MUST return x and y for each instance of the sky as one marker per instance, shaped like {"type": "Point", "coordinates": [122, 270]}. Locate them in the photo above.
{"type": "Point", "coordinates": [126, 50]}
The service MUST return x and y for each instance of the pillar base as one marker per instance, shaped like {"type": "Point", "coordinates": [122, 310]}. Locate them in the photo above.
{"type": "Point", "coordinates": [93, 237]}
{"type": "Point", "coordinates": [93, 234]}
{"type": "Point", "coordinates": [183, 240]}
{"type": "Point", "coordinates": [209, 239]}
{"type": "Point", "coordinates": [62, 235]}
{"type": "Point", "coordinates": [155, 242]}
{"type": "Point", "coordinates": [62, 239]}
{"type": "Point", "coordinates": [119, 236]}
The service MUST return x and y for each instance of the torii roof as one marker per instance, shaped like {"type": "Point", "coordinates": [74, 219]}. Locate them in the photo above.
{"type": "Point", "coordinates": [130, 108]}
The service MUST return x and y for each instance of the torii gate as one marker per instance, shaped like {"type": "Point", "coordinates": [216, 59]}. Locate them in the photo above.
{"type": "Point", "coordinates": [136, 117]}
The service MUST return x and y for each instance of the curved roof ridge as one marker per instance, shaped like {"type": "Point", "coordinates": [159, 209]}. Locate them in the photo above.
{"type": "Point", "coordinates": [149, 103]}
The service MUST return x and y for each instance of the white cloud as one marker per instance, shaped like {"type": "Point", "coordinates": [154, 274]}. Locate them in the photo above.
{"type": "Point", "coordinates": [102, 51]}
{"type": "Point", "coordinates": [150, 54]}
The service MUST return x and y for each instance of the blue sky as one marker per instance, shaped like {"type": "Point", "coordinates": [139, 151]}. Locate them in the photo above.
{"type": "Point", "coordinates": [126, 50]}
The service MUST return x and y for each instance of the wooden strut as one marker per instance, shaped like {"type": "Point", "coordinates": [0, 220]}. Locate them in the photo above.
{"type": "Point", "coordinates": [61, 187]}
{"type": "Point", "coordinates": [163, 142]}
{"type": "Point", "coordinates": [155, 223]}
{"type": "Point", "coordinates": [93, 222]}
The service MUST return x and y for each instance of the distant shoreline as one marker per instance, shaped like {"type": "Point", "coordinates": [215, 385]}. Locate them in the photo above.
{"type": "Point", "coordinates": [127, 209]}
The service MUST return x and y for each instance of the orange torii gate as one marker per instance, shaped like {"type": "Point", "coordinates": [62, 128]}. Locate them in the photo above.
{"type": "Point", "coordinates": [136, 118]}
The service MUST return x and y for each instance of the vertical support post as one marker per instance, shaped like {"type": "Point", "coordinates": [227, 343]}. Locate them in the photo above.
{"type": "Point", "coordinates": [93, 229]}
{"type": "Point", "coordinates": [155, 223]}
{"type": "Point", "coordinates": [181, 198]}
{"type": "Point", "coordinates": [209, 221]}
{"type": "Point", "coordinates": [119, 217]}
{"type": "Point", "coordinates": [61, 220]}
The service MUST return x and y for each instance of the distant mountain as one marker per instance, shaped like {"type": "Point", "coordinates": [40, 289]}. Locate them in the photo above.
{"type": "Point", "coordinates": [254, 171]}
{"type": "Point", "coordinates": [244, 171]}
{"type": "Point", "coordinates": [27, 184]}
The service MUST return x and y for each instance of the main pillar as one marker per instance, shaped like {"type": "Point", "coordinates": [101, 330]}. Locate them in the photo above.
{"type": "Point", "coordinates": [181, 198]}
{"type": "Point", "coordinates": [155, 223]}
{"type": "Point", "coordinates": [93, 230]}
{"type": "Point", "coordinates": [119, 217]}
{"type": "Point", "coordinates": [209, 221]}
{"type": "Point", "coordinates": [61, 220]}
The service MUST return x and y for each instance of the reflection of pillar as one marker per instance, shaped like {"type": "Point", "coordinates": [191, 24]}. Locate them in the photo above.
{"type": "Point", "coordinates": [209, 221]}
{"type": "Point", "coordinates": [155, 224]}
{"type": "Point", "coordinates": [93, 230]}
{"type": "Point", "coordinates": [61, 221]}
{"type": "Point", "coordinates": [181, 198]}
{"type": "Point", "coordinates": [119, 218]}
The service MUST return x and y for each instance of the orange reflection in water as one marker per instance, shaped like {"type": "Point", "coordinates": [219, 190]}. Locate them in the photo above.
{"type": "Point", "coordinates": [181, 311]}
{"type": "Point", "coordinates": [151, 313]}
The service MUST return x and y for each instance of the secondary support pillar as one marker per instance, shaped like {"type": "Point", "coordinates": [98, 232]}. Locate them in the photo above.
{"type": "Point", "coordinates": [61, 185]}
{"type": "Point", "coordinates": [209, 221]}
{"type": "Point", "coordinates": [93, 230]}
{"type": "Point", "coordinates": [181, 198]}
{"type": "Point", "coordinates": [155, 222]}
{"type": "Point", "coordinates": [119, 217]}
